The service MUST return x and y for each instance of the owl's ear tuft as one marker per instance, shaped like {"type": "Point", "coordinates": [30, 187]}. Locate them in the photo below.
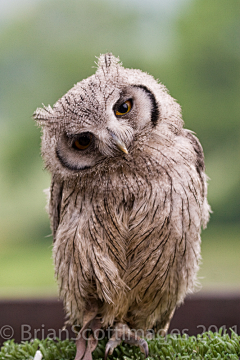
{"type": "Point", "coordinates": [42, 115]}
{"type": "Point", "coordinates": [105, 61]}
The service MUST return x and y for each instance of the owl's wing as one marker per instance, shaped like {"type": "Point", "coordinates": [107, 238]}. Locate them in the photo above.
{"type": "Point", "coordinates": [56, 191]}
{"type": "Point", "coordinates": [200, 167]}
{"type": "Point", "coordinates": [198, 150]}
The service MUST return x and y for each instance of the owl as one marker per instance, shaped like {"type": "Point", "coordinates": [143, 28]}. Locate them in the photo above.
{"type": "Point", "coordinates": [128, 199]}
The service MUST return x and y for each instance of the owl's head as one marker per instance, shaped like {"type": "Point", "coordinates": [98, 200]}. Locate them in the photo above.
{"type": "Point", "coordinates": [108, 116]}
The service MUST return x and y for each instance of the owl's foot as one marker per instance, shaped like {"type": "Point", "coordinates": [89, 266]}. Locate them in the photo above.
{"type": "Point", "coordinates": [87, 340]}
{"type": "Point", "coordinates": [123, 333]}
{"type": "Point", "coordinates": [88, 336]}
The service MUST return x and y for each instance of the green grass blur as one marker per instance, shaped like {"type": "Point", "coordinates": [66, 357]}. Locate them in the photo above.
{"type": "Point", "coordinates": [26, 270]}
{"type": "Point", "coordinates": [220, 268]}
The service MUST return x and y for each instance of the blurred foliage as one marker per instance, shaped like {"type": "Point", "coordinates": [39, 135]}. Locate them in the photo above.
{"type": "Point", "coordinates": [206, 81]}
{"type": "Point", "coordinates": [53, 45]}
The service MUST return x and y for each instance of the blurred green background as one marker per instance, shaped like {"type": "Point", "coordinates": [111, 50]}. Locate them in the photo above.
{"type": "Point", "coordinates": [192, 46]}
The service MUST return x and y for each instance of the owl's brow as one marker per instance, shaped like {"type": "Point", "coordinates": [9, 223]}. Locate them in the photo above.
{"type": "Point", "coordinates": [94, 109]}
{"type": "Point", "coordinates": [102, 89]}
{"type": "Point", "coordinates": [92, 87]}
{"type": "Point", "coordinates": [155, 109]}
{"type": "Point", "coordinates": [68, 109]}
{"type": "Point", "coordinates": [84, 110]}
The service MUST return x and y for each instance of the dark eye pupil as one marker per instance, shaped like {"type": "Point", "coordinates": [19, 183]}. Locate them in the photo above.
{"type": "Point", "coordinates": [84, 140]}
{"type": "Point", "coordinates": [123, 108]}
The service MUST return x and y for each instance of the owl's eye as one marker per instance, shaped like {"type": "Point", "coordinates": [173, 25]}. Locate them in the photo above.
{"type": "Point", "coordinates": [82, 141]}
{"type": "Point", "coordinates": [124, 108]}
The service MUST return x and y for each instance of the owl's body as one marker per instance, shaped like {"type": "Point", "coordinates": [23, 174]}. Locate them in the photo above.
{"type": "Point", "coordinates": [128, 203]}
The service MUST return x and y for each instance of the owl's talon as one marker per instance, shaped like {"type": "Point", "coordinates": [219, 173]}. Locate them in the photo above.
{"type": "Point", "coordinates": [108, 351]}
{"type": "Point", "coordinates": [85, 347]}
{"type": "Point", "coordinates": [140, 342]}
{"type": "Point", "coordinates": [110, 346]}
{"type": "Point", "coordinates": [144, 347]}
{"type": "Point", "coordinates": [123, 333]}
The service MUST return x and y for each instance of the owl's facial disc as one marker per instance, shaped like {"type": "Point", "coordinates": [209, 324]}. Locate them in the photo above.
{"type": "Point", "coordinates": [138, 106]}
{"type": "Point", "coordinates": [82, 151]}
{"type": "Point", "coordinates": [124, 117]}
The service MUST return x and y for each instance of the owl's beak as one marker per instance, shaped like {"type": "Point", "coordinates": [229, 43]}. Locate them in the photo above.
{"type": "Point", "coordinates": [120, 144]}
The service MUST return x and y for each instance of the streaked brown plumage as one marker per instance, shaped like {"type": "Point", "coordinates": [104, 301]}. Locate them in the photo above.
{"type": "Point", "coordinates": [127, 200]}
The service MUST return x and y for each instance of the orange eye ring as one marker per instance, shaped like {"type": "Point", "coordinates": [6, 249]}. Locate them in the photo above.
{"type": "Point", "coordinates": [124, 108]}
{"type": "Point", "coordinates": [83, 141]}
